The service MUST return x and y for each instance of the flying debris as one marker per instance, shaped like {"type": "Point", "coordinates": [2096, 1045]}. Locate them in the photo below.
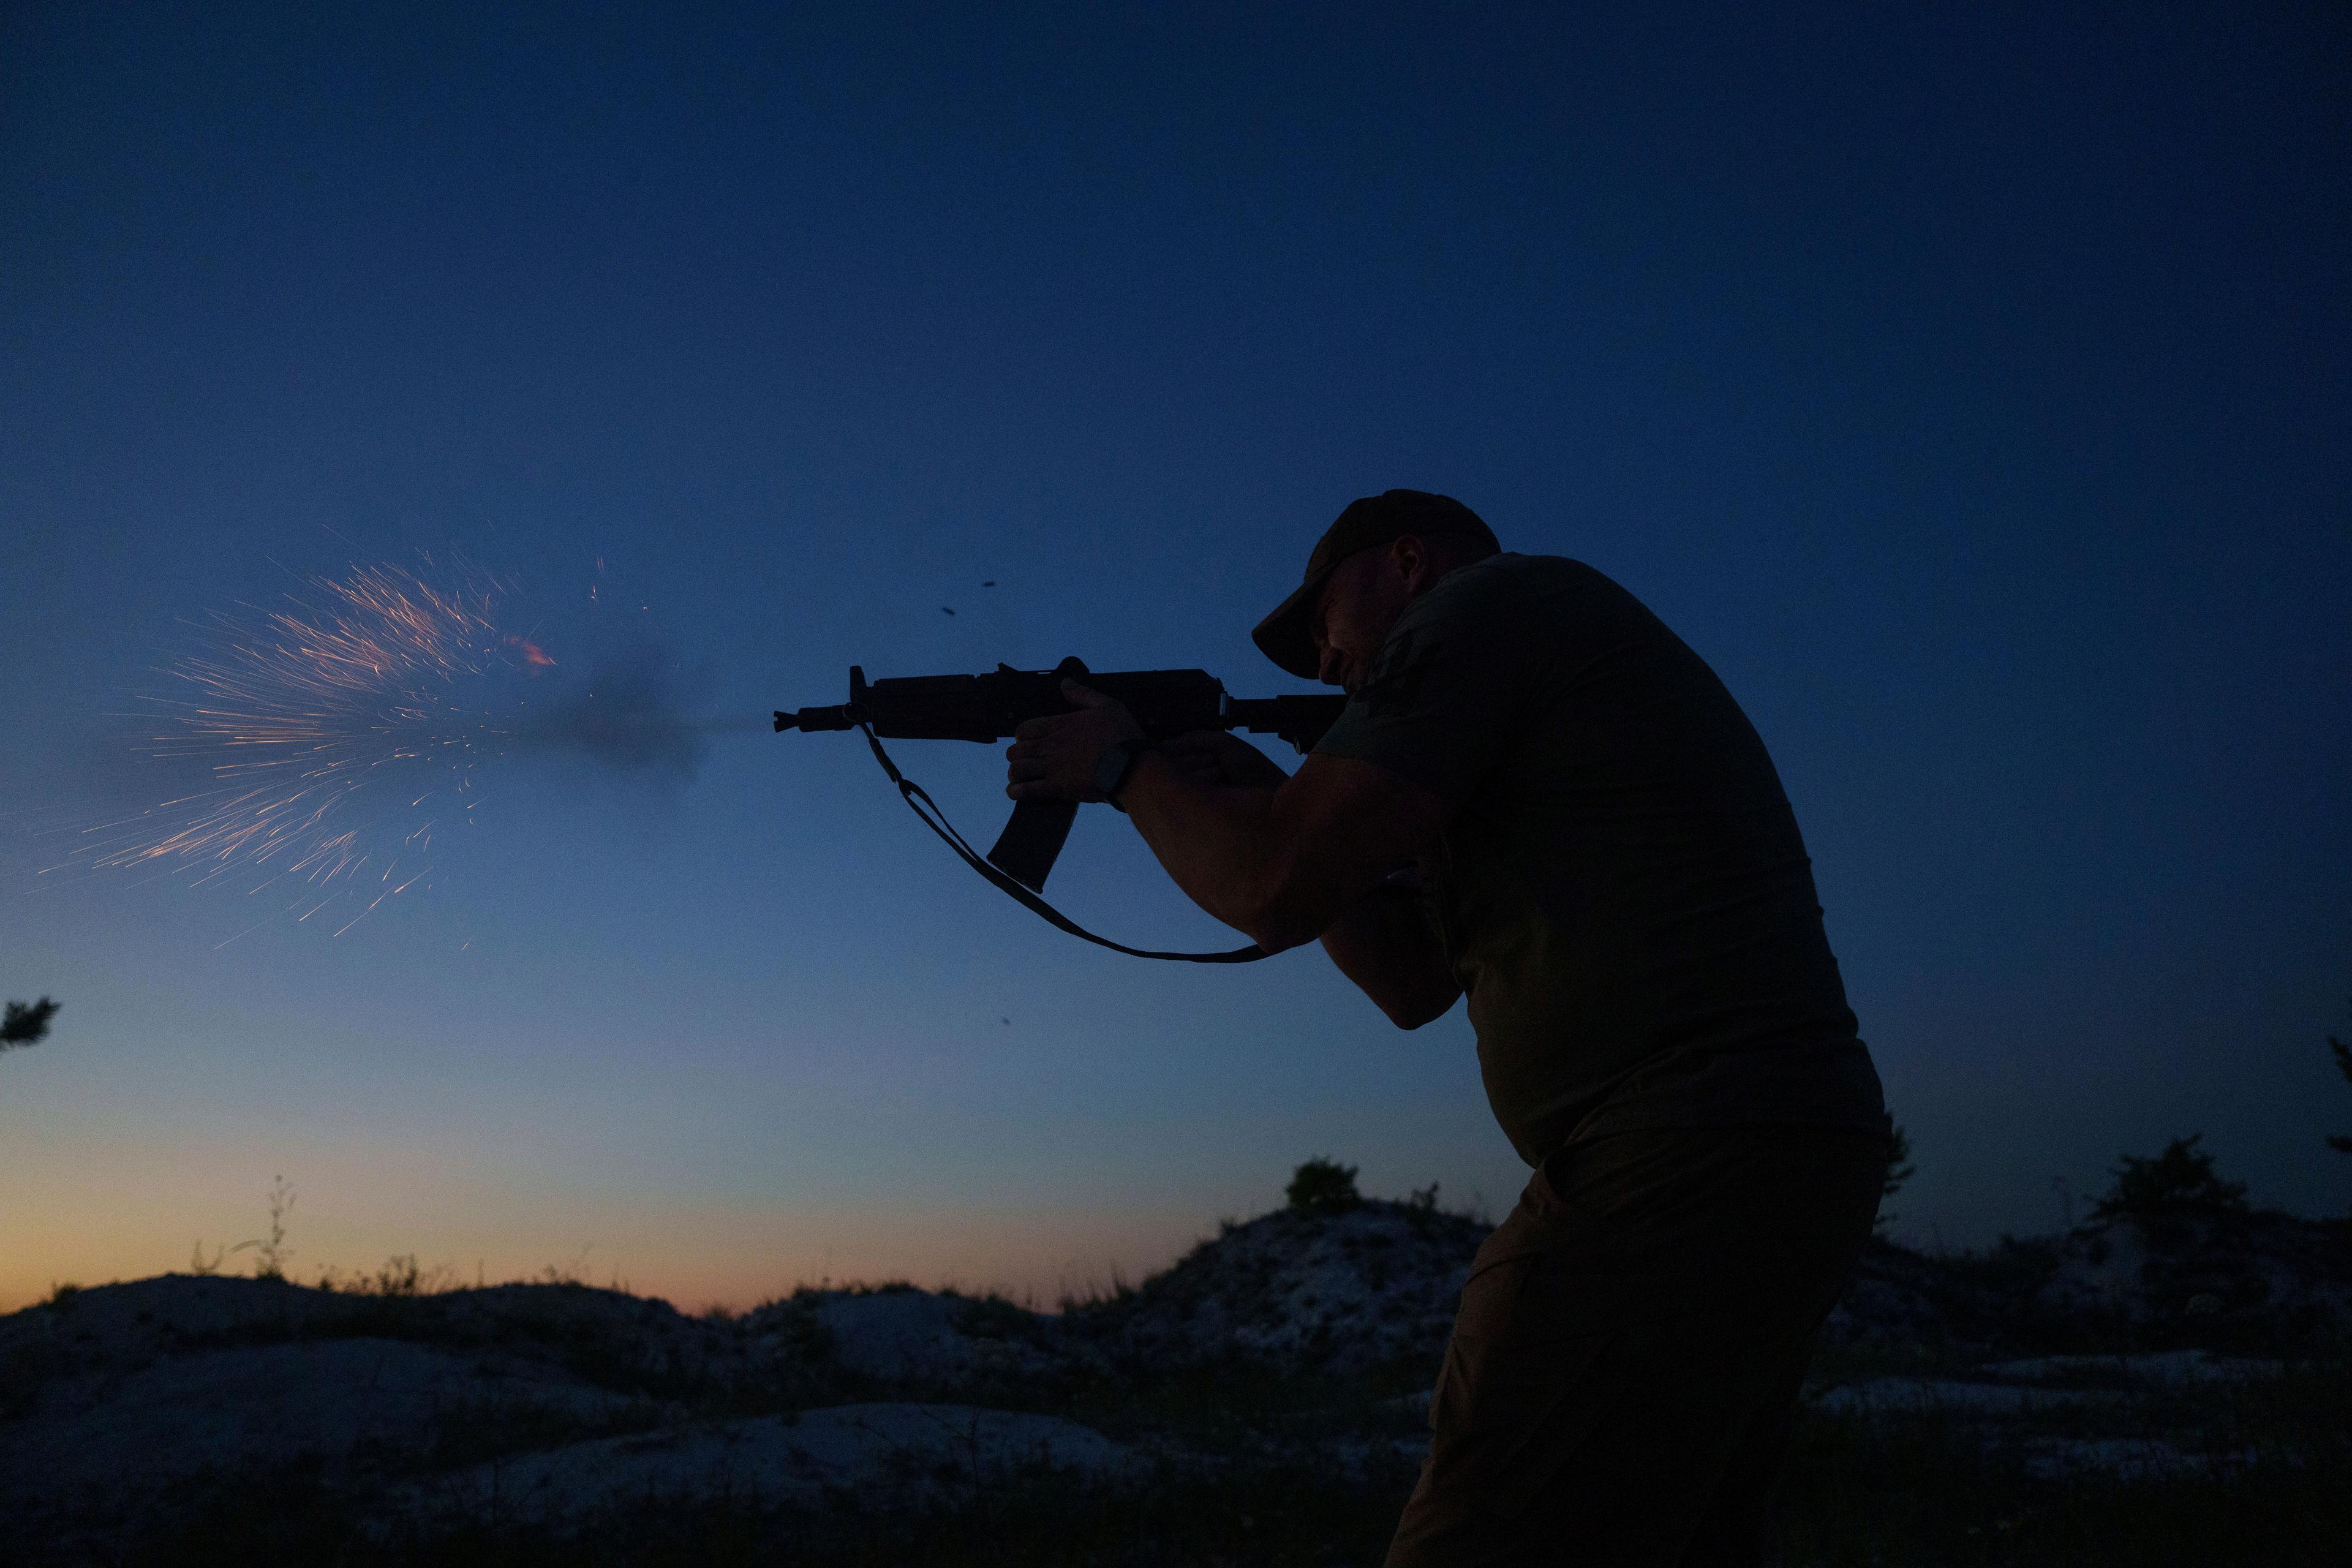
{"type": "Point", "coordinates": [989, 583]}
{"type": "Point", "coordinates": [945, 611]}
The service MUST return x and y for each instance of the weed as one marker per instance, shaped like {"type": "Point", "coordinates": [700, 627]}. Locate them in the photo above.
{"type": "Point", "coordinates": [398, 1277]}
{"type": "Point", "coordinates": [270, 1252]}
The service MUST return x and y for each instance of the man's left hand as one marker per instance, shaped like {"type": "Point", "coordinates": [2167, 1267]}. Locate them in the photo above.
{"type": "Point", "coordinates": [1054, 758]}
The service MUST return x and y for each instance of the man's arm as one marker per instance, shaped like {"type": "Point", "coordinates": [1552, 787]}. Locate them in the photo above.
{"type": "Point", "coordinates": [1382, 942]}
{"type": "Point", "coordinates": [1385, 944]}
{"type": "Point", "coordinates": [1282, 864]}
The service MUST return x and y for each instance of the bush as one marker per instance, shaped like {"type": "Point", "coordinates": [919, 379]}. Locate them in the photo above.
{"type": "Point", "coordinates": [1324, 1186]}
{"type": "Point", "coordinates": [2179, 1182]}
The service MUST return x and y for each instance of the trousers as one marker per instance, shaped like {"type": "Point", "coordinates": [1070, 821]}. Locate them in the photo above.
{"type": "Point", "coordinates": [1625, 1362]}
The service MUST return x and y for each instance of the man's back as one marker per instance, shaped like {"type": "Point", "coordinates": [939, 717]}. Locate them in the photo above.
{"type": "Point", "coordinates": [1622, 888]}
{"type": "Point", "coordinates": [1612, 874]}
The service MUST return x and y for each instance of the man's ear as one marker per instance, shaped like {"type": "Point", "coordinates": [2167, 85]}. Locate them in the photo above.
{"type": "Point", "coordinates": [1411, 557]}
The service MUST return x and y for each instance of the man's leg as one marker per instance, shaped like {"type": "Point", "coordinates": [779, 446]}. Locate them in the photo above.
{"type": "Point", "coordinates": [1738, 1524]}
{"type": "Point", "coordinates": [1621, 1338]}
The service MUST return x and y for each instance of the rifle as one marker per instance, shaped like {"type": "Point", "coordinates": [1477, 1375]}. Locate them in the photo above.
{"type": "Point", "coordinates": [1165, 702]}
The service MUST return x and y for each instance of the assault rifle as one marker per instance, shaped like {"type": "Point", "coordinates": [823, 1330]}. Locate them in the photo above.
{"type": "Point", "coordinates": [1165, 702]}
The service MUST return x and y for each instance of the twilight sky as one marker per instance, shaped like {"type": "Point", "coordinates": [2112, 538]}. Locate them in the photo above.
{"type": "Point", "coordinates": [1969, 388]}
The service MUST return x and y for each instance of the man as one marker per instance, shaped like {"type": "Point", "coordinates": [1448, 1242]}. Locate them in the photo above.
{"type": "Point", "coordinates": [1539, 796]}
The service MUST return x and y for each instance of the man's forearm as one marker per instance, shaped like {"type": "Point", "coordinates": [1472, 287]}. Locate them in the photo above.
{"type": "Point", "coordinates": [1278, 860]}
{"type": "Point", "coordinates": [1222, 845]}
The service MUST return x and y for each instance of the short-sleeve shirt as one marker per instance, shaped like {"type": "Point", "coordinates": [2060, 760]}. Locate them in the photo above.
{"type": "Point", "coordinates": [1619, 887]}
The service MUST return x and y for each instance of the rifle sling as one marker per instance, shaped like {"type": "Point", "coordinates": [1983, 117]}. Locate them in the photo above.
{"type": "Point", "coordinates": [919, 802]}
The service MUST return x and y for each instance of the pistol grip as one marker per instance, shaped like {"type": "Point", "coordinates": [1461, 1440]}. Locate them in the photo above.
{"type": "Point", "coordinates": [1032, 839]}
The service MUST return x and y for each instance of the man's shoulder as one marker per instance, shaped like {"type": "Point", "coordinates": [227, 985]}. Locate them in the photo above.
{"type": "Point", "coordinates": [1509, 581]}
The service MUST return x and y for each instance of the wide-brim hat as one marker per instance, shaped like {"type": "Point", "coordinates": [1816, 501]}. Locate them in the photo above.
{"type": "Point", "coordinates": [1287, 637]}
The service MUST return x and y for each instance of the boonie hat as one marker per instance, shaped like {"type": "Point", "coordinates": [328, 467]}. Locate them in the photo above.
{"type": "Point", "coordinates": [1285, 636]}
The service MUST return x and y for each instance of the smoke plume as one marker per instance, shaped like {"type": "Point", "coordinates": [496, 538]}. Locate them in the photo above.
{"type": "Point", "coordinates": [636, 715]}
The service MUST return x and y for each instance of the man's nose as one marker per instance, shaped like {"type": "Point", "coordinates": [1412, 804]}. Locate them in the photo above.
{"type": "Point", "coordinates": [1327, 668]}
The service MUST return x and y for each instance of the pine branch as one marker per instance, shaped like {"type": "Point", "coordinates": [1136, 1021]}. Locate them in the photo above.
{"type": "Point", "coordinates": [26, 1023]}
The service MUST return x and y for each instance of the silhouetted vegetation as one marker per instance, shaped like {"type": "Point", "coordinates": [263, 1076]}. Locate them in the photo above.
{"type": "Point", "coordinates": [1325, 1186]}
{"type": "Point", "coordinates": [270, 1252]}
{"type": "Point", "coordinates": [2341, 1144]}
{"type": "Point", "coordinates": [2179, 1184]}
{"type": "Point", "coordinates": [1899, 1171]}
{"type": "Point", "coordinates": [26, 1023]}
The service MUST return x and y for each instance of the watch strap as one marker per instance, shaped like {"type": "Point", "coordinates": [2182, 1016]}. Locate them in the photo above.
{"type": "Point", "coordinates": [1134, 746]}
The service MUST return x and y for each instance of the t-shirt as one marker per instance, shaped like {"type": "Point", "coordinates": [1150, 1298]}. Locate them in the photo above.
{"type": "Point", "coordinates": [1621, 888]}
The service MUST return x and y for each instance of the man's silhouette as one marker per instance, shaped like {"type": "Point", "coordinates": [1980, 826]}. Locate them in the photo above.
{"type": "Point", "coordinates": [1539, 798]}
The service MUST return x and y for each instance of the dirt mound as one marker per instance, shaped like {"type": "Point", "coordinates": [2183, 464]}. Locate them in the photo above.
{"type": "Point", "coordinates": [1345, 1291]}
{"type": "Point", "coordinates": [123, 1407]}
{"type": "Point", "coordinates": [2251, 1278]}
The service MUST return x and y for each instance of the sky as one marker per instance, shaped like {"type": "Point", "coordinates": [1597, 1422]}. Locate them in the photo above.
{"type": "Point", "coordinates": [1968, 384]}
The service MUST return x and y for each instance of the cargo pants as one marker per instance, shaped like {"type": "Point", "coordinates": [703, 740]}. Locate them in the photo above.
{"type": "Point", "coordinates": [1625, 1362]}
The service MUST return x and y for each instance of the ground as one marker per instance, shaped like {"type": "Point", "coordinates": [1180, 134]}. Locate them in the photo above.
{"type": "Point", "coordinates": [2167, 1390]}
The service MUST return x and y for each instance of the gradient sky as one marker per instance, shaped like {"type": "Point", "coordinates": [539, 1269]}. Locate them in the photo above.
{"type": "Point", "coordinates": [1968, 386]}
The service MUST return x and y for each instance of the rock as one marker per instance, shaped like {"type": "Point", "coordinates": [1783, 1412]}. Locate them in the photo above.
{"type": "Point", "coordinates": [1341, 1292]}
{"type": "Point", "coordinates": [887, 1455]}
{"type": "Point", "coordinates": [901, 1337]}
{"type": "Point", "coordinates": [1914, 1396]}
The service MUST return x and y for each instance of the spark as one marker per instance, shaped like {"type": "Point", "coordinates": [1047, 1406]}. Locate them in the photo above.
{"type": "Point", "coordinates": [316, 720]}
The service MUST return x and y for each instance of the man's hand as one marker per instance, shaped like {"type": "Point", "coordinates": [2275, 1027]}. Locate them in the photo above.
{"type": "Point", "coordinates": [1054, 758]}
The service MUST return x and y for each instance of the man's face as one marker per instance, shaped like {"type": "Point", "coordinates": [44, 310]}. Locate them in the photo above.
{"type": "Point", "coordinates": [1359, 603]}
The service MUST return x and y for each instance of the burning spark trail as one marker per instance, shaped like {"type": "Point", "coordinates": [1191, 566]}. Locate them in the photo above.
{"type": "Point", "coordinates": [324, 726]}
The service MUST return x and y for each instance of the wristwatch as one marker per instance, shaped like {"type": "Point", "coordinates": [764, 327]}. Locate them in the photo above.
{"type": "Point", "coordinates": [1116, 764]}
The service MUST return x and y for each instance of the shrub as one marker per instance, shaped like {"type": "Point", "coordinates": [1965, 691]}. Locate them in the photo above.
{"type": "Point", "coordinates": [2178, 1182]}
{"type": "Point", "coordinates": [1324, 1186]}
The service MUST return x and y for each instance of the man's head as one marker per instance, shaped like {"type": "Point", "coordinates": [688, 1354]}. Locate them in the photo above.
{"type": "Point", "coordinates": [1384, 553]}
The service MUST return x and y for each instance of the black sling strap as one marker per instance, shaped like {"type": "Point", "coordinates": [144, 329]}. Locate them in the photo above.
{"type": "Point", "coordinates": [920, 803]}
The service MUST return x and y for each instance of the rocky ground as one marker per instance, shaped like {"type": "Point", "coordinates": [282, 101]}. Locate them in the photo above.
{"type": "Point", "coordinates": [1260, 1402]}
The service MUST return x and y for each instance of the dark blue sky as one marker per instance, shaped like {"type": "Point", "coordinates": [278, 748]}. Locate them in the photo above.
{"type": "Point", "coordinates": [1969, 386]}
